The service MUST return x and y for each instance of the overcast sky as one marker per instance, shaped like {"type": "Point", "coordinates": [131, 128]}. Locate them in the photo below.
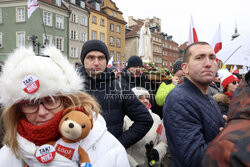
{"type": "Point", "coordinates": [207, 15]}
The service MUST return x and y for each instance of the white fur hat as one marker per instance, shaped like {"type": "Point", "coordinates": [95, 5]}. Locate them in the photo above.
{"type": "Point", "coordinates": [226, 77]}
{"type": "Point", "coordinates": [26, 76]}
{"type": "Point", "coordinates": [140, 91]}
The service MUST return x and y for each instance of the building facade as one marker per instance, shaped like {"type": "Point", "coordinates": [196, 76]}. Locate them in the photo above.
{"type": "Point", "coordinates": [115, 30]}
{"type": "Point", "coordinates": [78, 28]}
{"type": "Point", "coordinates": [16, 29]}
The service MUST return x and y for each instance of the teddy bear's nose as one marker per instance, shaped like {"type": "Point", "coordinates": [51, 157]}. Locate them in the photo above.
{"type": "Point", "coordinates": [71, 125]}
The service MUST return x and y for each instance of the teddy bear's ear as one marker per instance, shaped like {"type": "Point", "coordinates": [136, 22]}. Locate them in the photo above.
{"type": "Point", "coordinates": [67, 110]}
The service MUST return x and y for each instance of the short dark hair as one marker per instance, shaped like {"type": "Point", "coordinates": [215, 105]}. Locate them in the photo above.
{"type": "Point", "coordinates": [187, 50]}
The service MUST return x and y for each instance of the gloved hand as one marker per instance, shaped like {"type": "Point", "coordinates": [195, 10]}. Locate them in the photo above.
{"type": "Point", "coordinates": [154, 155]}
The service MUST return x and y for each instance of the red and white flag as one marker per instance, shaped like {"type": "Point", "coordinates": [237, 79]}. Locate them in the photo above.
{"type": "Point", "coordinates": [216, 44]}
{"type": "Point", "coordinates": [32, 6]}
{"type": "Point", "coordinates": [235, 70]}
{"type": "Point", "coordinates": [110, 62]}
{"type": "Point", "coordinates": [192, 33]}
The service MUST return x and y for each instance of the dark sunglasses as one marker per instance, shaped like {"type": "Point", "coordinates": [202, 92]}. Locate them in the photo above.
{"type": "Point", "coordinates": [235, 82]}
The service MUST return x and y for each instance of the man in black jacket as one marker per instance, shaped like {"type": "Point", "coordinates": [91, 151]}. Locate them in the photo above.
{"type": "Point", "coordinates": [133, 76]}
{"type": "Point", "coordinates": [115, 102]}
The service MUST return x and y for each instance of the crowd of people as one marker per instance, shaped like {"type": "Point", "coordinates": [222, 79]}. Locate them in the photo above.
{"type": "Point", "coordinates": [198, 118]}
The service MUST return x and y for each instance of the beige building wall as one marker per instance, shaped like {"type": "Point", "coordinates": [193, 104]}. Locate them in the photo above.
{"type": "Point", "coordinates": [132, 47]}
{"type": "Point", "coordinates": [115, 30]}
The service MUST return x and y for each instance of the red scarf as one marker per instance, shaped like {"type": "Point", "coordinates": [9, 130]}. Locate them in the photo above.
{"type": "Point", "coordinates": [40, 134]}
{"type": "Point", "coordinates": [229, 94]}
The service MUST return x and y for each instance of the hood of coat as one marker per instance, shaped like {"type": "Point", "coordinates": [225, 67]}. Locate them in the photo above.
{"type": "Point", "coordinates": [221, 98]}
{"type": "Point", "coordinates": [240, 104]}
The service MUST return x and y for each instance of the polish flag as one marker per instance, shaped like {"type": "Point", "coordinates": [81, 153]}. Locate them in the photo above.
{"type": "Point", "coordinates": [217, 42]}
{"type": "Point", "coordinates": [235, 70]}
{"type": "Point", "coordinates": [32, 6]}
{"type": "Point", "coordinates": [192, 33]}
{"type": "Point", "coordinates": [110, 62]}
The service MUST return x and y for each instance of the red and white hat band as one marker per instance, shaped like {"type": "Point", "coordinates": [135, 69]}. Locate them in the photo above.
{"type": "Point", "coordinates": [228, 80]}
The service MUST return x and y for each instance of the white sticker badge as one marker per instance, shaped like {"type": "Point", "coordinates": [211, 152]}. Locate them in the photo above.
{"type": "Point", "coordinates": [30, 84]}
{"type": "Point", "coordinates": [45, 153]}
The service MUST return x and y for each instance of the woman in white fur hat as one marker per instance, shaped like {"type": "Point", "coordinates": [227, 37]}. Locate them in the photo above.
{"type": "Point", "coordinates": [34, 91]}
{"type": "Point", "coordinates": [152, 148]}
{"type": "Point", "coordinates": [229, 82]}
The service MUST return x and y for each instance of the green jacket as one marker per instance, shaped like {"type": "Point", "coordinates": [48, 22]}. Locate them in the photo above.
{"type": "Point", "coordinates": [162, 93]}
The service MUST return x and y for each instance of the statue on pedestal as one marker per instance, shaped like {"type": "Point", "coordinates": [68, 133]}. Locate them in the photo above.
{"type": "Point", "coordinates": [145, 43]}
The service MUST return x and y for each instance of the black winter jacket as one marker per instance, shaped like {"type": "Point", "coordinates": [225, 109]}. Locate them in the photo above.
{"type": "Point", "coordinates": [104, 91]}
{"type": "Point", "coordinates": [144, 82]}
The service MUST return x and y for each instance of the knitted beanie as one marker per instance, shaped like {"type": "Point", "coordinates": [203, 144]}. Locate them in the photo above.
{"type": "Point", "coordinates": [26, 76]}
{"type": "Point", "coordinates": [140, 91]}
{"type": "Point", "coordinates": [134, 61]}
{"type": "Point", "coordinates": [226, 77]}
{"type": "Point", "coordinates": [94, 45]}
{"type": "Point", "coordinates": [177, 66]}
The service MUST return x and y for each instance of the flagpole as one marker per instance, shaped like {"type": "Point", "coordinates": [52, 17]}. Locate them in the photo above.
{"type": "Point", "coordinates": [45, 41]}
{"type": "Point", "coordinates": [232, 54]}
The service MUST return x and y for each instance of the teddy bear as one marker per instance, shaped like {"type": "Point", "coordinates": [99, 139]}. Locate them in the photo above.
{"type": "Point", "coordinates": [74, 126]}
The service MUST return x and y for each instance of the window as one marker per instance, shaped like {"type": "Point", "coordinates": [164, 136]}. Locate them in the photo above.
{"type": "Point", "coordinates": [49, 39]}
{"type": "Point", "coordinates": [112, 13]}
{"type": "Point", "coordinates": [73, 35]}
{"type": "Point", "coordinates": [93, 19]}
{"type": "Point", "coordinates": [94, 35]}
{"type": "Point", "coordinates": [111, 27]}
{"type": "Point", "coordinates": [118, 56]}
{"type": "Point", "coordinates": [74, 18]}
{"type": "Point", "coordinates": [102, 37]}
{"type": "Point", "coordinates": [115, 15]}
{"type": "Point", "coordinates": [84, 21]}
{"type": "Point", "coordinates": [1, 39]}
{"type": "Point", "coordinates": [47, 18]}
{"type": "Point", "coordinates": [59, 43]}
{"type": "Point", "coordinates": [73, 1]}
{"type": "Point", "coordinates": [83, 36]}
{"type": "Point", "coordinates": [59, 2]}
{"type": "Point", "coordinates": [111, 40]}
{"type": "Point", "coordinates": [111, 53]}
{"type": "Point", "coordinates": [97, 6]}
{"type": "Point", "coordinates": [20, 39]}
{"type": "Point", "coordinates": [118, 28]}
{"type": "Point", "coordinates": [102, 22]}
{"type": "Point", "coordinates": [73, 53]}
{"type": "Point", "coordinates": [1, 16]}
{"type": "Point", "coordinates": [20, 14]}
{"type": "Point", "coordinates": [118, 42]}
{"type": "Point", "coordinates": [59, 22]}
{"type": "Point", "coordinates": [82, 4]}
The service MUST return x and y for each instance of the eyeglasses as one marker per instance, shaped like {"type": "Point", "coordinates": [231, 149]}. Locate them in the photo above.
{"type": "Point", "coordinates": [30, 107]}
{"type": "Point", "coordinates": [235, 82]}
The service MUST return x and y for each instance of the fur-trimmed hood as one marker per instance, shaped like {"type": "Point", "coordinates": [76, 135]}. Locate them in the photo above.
{"type": "Point", "coordinates": [51, 74]}
{"type": "Point", "coordinates": [222, 98]}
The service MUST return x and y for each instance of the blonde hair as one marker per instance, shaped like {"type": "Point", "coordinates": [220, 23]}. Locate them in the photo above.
{"type": "Point", "coordinates": [12, 114]}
